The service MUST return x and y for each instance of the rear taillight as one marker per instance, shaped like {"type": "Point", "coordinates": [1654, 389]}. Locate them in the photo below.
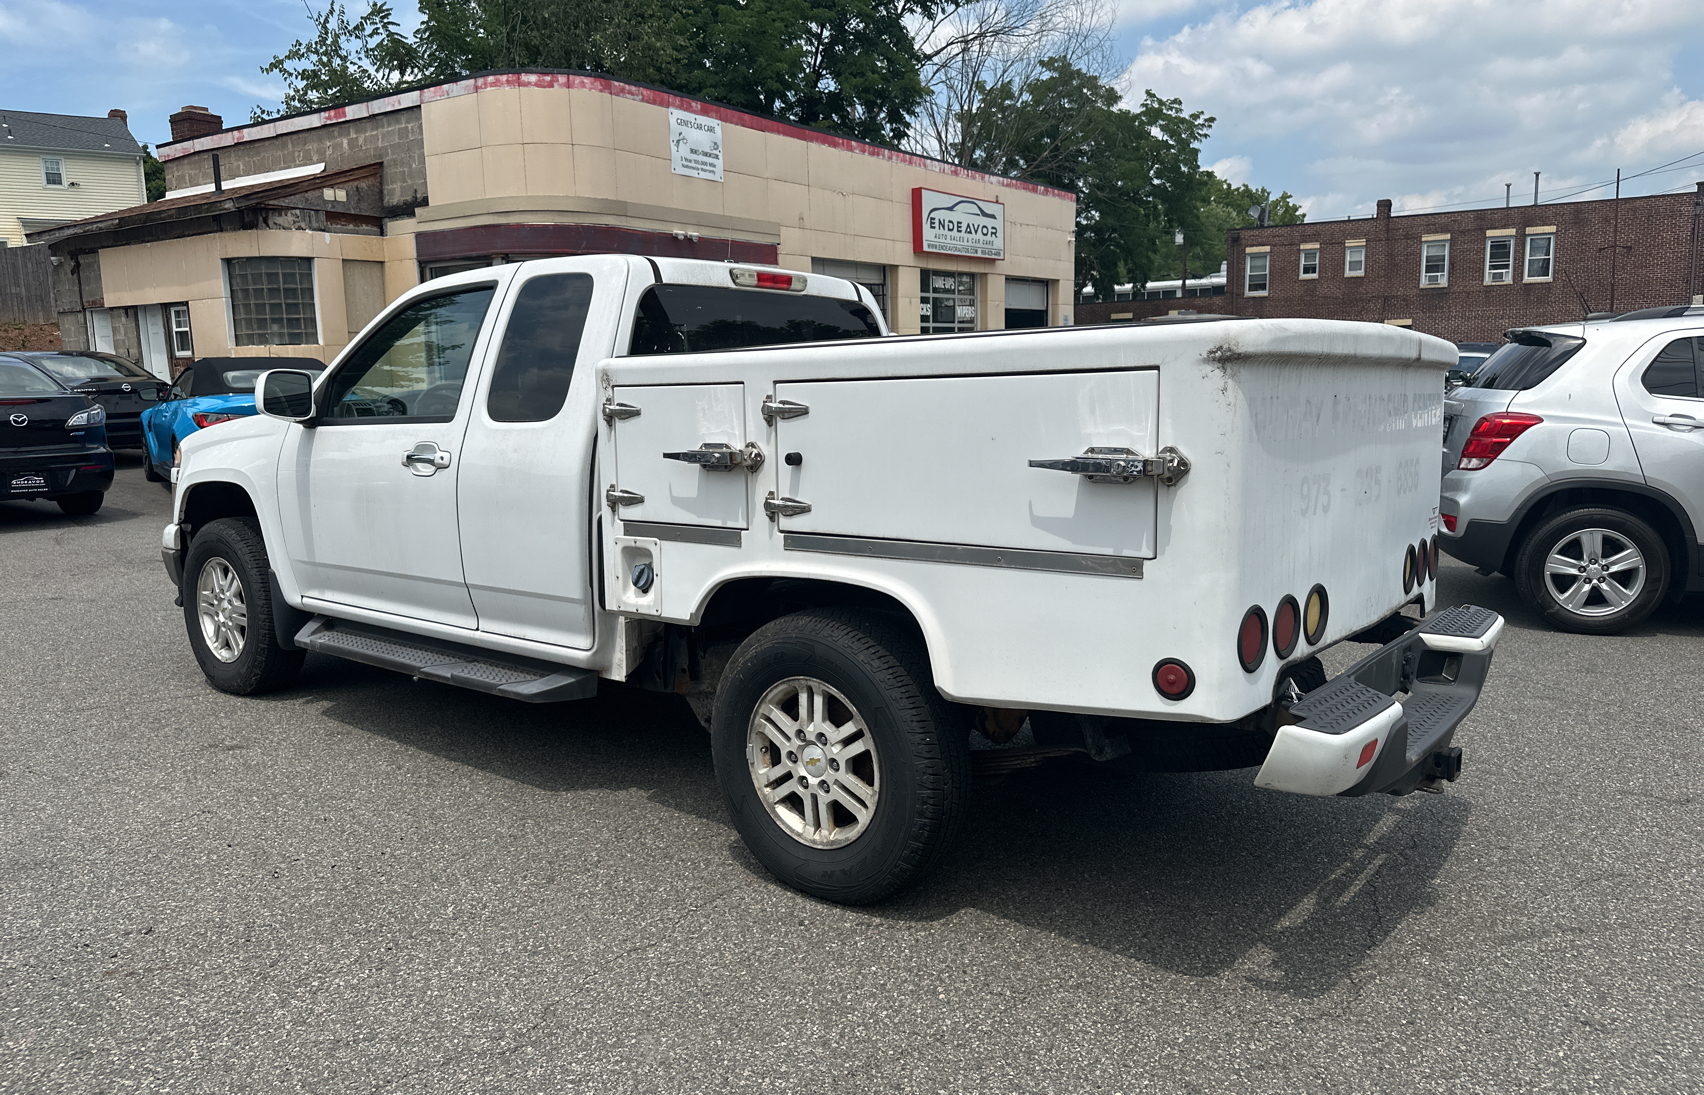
{"type": "Point", "coordinates": [1491, 435]}
{"type": "Point", "coordinates": [1410, 570]}
{"type": "Point", "coordinates": [767, 279]}
{"type": "Point", "coordinates": [204, 419]}
{"type": "Point", "coordinates": [1449, 521]}
{"type": "Point", "coordinates": [1286, 626]}
{"type": "Point", "coordinates": [1173, 679]}
{"type": "Point", "coordinates": [1251, 639]}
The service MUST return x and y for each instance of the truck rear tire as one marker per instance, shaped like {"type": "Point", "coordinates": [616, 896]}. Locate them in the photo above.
{"type": "Point", "coordinates": [1593, 570]}
{"type": "Point", "coordinates": [227, 608]}
{"type": "Point", "coordinates": [844, 770]}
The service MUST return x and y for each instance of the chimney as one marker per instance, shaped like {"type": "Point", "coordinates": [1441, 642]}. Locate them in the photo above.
{"type": "Point", "coordinates": [120, 115]}
{"type": "Point", "coordinates": [1384, 209]}
{"type": "Point", "coordinates": [195, 121]}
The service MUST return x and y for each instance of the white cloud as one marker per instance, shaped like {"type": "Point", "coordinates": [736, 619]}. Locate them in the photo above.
{"type": "Point", "coordinates": [271, 91]}
{"type": "Point", "coordinates": [1438, 101]}
{"type": "Point", "coordinates": [1235, 170]}
{"type": "Point", "coordinates": [1136, 12]}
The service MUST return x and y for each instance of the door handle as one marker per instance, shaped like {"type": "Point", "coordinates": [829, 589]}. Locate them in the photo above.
{"type": "Point", "coordinates": [1121, 465]}
{"type": "Point", "coordinates": [720, 456]}
{"type": "Point", "coordinates": [1684, 421]}
{"type": "Point", "coordinates": [425, 458]}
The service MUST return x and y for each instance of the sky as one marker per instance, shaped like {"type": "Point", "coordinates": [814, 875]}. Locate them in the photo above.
{"type": "Point", "coordinates": [1431, 103]}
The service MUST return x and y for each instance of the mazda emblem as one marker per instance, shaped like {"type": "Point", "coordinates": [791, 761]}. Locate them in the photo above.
{"type": "Point", "coordinates": [20, 420]}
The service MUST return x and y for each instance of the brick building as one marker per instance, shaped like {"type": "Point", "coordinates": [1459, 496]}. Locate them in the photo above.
{"type": "Point", "coordinates": [1465, 275]}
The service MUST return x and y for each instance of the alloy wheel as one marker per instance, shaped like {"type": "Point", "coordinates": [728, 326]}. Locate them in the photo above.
{"type": "Point", "coordinates": [1594, 572]}
{"type": "Point", "coordinates": [813, 760]}
{"type": "Point", "coordinates": [221, 609]}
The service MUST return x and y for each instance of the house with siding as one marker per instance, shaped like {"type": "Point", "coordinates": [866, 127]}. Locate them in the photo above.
{"type": "Point", "coordinates": [58, 168]}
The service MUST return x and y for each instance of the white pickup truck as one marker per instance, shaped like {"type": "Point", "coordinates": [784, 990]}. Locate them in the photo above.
{"type": "Point", "coordinates": [852, 552]}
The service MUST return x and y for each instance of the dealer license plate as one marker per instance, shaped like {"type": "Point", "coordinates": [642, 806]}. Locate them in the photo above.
{"type": "Point", "coordinates": [24, 483]}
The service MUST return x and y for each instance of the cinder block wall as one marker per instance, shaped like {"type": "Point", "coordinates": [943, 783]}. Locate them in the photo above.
{"type": "Point", "coordinates": [392, 138]}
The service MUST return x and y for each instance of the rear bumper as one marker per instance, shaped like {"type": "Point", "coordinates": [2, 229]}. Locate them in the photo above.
{"type": "Point", "coordinates": [25, 474]}
{"type": "Point", "coordinates": [1351, 736]}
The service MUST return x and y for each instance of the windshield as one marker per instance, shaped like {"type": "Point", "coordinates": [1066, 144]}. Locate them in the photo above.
{"type": "Point", "coordinates": [87, 367]}
{"type": "Point", "coordinates": [1525, 361]}
{"type": "Point", "coordinates": [684, 319]}
{"type": "Point", "coordinates": [18, 379]}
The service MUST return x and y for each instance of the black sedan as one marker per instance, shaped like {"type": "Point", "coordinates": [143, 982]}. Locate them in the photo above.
{"type": "Point", "coordinates": [123, 388]}
{"type": "Point", "coordinates": [52, 441]}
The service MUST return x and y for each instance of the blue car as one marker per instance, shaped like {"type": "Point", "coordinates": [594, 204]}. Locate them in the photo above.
{"type": "Point", "coordinates": [212, 390]}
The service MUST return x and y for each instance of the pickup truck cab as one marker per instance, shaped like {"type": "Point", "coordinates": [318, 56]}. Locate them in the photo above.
{"type": "Point", "coordinates": [851, 552]}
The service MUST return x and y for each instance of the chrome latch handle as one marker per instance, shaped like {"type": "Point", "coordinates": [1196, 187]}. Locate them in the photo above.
{"type": "Point", "coordinates": [777, 508]}
{"type": "Point", "coordinates": [616, 497]}
{"type": "Point", "coordinates": [781, 408]}
{"type": "Point", "coordinates": [720, 456]}
{"type": "Point", "coordinates": [426, 458]}
{"type": "Point", "coordinates": [613, 410]}
{"type": "Point", "coordinates": [1105, 464]}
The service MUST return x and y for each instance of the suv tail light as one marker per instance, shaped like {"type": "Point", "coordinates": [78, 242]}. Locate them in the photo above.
{"type": "Point", "coordinates": [1491, 435]}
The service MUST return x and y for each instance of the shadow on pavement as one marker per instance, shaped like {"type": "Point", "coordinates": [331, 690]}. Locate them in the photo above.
{"type": "Point", "coordinates": [1196, 874]}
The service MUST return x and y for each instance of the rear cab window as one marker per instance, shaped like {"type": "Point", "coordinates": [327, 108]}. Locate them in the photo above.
{"type": "Point", "coordinates": [684, 319]}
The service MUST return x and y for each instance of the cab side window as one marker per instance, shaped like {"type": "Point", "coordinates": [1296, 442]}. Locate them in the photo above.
{"type": "Point", "coordinates": [536, 363]}
{"type": "Point", "coordinates": [413, 367]}
{"type": "Point", "coordinates": [1674, 372]}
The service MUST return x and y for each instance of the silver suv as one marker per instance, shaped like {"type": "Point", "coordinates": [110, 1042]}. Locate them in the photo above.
{"type": "Point", "coordinates": [1574, 463]}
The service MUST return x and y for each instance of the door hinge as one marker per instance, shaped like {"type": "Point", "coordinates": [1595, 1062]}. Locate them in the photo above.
{"type": "Point", "coordinates": [781, 408]}
{"type": "Point", "coordinates": [613, 410]}
{"type": "Point", "coordinates": [1119, 465]}
{"type": "Point", "coordinates": [719, 456]}
{"type": "Point", "coordinates": [616, 497]}
{"type": "Point", "coordinates": [777, 508]}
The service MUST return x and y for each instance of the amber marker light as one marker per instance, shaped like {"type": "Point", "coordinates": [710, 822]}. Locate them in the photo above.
{"type": "Point", "coordinates": [1315, 610]}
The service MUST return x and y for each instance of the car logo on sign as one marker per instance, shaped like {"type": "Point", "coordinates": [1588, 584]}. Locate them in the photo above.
{"type": "Point", "coordinates": [20, 420]}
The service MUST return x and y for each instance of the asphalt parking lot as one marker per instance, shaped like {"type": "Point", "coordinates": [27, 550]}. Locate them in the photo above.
{"type": "Point", "coordinates": [369, 885]}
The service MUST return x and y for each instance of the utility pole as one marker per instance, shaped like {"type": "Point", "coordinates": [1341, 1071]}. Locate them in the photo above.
{"type": "Point", "coordinates": [1614, 247]}
{"type": "Point", "coordinates": [1183, 283]}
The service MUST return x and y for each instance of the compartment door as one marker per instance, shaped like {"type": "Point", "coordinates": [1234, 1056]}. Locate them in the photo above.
{"type": "Point", "coordinates": [681, 418]}
{"type": "Point", "coordinates": [946, 461]}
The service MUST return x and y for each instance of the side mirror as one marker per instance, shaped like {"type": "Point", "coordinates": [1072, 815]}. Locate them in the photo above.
{"type": "Point", "coordinates": [286, 394]}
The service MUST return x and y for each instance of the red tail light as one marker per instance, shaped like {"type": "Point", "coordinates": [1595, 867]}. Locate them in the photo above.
{"type": "Point", "coordinates": [1491, 435]}
{"type": "Point", "coordinates": [1173, 679]}
{"type": "Point", "coordinates": [767, 279]}
{"type": "Point", "coordinates": [1286, 626]}
{"type": "Point", "coordinates": [204, 419]}
{"type": "Point", "coordinates": [1449, 521]}
{"type": "Point", "coordinates": [1251, 639]}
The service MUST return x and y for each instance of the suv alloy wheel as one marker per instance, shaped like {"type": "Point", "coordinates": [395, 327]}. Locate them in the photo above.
{"type": "Point", "coordinates": [1593, 570]}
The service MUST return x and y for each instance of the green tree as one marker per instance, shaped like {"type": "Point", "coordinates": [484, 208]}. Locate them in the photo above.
{"type": "Point", "coordinates": [1224, 208]}
{"type": "Point", "coordinates": [1136, 173]}
{"type": "Point", "coordinates": [153, 175]}
{"type": "Point", "coordinates": [344, 61]}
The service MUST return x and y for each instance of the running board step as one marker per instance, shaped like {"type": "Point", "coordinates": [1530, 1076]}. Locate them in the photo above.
{"type": "Point", "coordinates": [448, 663]}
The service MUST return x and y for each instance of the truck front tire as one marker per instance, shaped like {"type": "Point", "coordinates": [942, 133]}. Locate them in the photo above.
{"type": "Point", "coordinates": [227, 608]}
{"type": "Point", "coordinates": [844, 770]}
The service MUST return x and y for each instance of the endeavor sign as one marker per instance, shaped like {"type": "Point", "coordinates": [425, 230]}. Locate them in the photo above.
{"type": "Point", "coordinates": [952, 224]}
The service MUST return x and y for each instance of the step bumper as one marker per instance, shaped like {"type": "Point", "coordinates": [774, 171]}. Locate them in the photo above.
{"type": "Point", "coordinates": [1386, 723]}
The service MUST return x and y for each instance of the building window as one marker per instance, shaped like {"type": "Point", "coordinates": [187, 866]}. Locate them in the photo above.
{"type": "Point", "coordinates": [181, 344]}
{"type": "Point", "coordinates": [272, 302]}
{"type": "Point", "coordinates": [1354, 262]}
{"type": "Point", "coordinates": [52, 171]}
{"type": "Point", "coordinates": [868, 274]}
{"type": "Point", "coordinates": [948, 302]}
{"type": "Point", "coordinates": [1540, 257]}
{"type": "Point", "coordinates": [1310, 262]}
{"type": "Point", "coordinates": [1499, 260]}
{"type": "Point", "coordinates": [1254, 284]}
{"type": "Point", "coordinates": [1435, 262]}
